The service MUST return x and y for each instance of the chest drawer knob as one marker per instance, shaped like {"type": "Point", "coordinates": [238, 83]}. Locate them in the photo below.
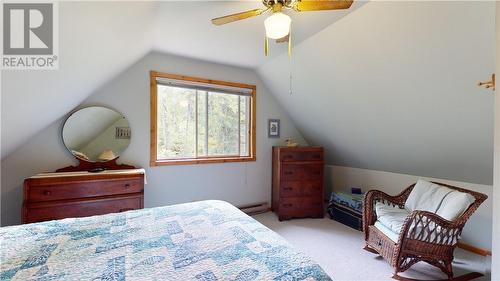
{"type": "Point", "coordinates": [127, 185]}
{"type": "Point", "coordinates": [288, 173]}
{"type": "Point", "coordinates": [287, 188]}
{"type": "Point", "coordinates": [47, 192]}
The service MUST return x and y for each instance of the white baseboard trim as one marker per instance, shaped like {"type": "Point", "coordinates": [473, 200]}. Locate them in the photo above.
{"type": "Point", "coordinates": [256, 208]}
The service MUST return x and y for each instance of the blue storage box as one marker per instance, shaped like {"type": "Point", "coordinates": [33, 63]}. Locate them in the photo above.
{"type": "Point", "coordinates": [347, 209]}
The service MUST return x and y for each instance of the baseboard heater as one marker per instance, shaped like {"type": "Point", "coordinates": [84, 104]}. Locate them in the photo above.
{"type": "Point", "coordinates": [254, 209]}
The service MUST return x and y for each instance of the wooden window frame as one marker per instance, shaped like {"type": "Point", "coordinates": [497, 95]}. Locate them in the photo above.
{"type": "Point", "coordinates": [154, 161]}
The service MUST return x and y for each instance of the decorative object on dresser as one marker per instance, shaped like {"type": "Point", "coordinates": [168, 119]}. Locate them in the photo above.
{"type": "Point", "coordinates": [53, 196]}
{"type": "Point", "coordinates": [298, 182]}
{"type": "Point", "coordinates": [98, 185]}
{"type": "Point", "coordinates": [290, 143]}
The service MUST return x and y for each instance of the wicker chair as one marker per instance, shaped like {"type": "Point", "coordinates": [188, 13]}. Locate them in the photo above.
{"type": "Point", "coordinates": [424, 236]}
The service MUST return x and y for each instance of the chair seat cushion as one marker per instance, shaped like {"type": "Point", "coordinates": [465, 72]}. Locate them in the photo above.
{"type": "Point", "coordinates": [390, 221]}
{"type": "Point", "coordinates": [387, 231]}
{"type": "Point", "coordinates": [391, 217]}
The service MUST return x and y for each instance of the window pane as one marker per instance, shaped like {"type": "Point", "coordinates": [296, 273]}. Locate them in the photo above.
{"type": "Point", "coordinates": [223, 120]}
{"type": "Point", "coordinates": [176, 122]}
{"type": "Point", "coordinates": [202, 123]}
{"type": "Point", "coordinates": [244, 125]}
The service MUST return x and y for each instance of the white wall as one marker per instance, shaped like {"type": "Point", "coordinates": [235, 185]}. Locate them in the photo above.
{"type": "Point", "coordinates": [97, 40]}
{"type": "Point", "coordinates": [477, 231]}
{"type": "Point", "coordinates": [495, 262]}
{"type": "Point", "coordinates": [238, 183]}
{"type": "Point", "coordinates": [392, 87]}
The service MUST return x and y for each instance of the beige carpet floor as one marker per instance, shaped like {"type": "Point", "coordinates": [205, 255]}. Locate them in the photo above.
{"type": "Point", "coordinates": [338, 249]}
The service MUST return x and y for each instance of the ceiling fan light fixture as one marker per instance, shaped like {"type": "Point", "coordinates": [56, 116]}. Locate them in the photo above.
{"type": "Point", "coordinates": [277, 25]}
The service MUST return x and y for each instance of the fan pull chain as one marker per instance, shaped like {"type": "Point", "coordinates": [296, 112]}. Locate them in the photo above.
{"type": "Point", "coordinates": [290, 43]}
{"type": "Point", "coordinates": [266, 46]}
{"type": "Point", "coordinates": [290, 59]}
{"type": "Point", "coordinates": [290, 73]}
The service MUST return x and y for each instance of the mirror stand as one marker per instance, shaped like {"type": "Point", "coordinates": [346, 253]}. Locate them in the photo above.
{"type": "Point", "coordinates": [95, 167]}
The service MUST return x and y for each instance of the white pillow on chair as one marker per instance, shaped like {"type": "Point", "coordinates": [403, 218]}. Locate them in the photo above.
{"type": "Point", "coordinates": [454, 205]}
{"type": "Point", "coordinates": [438, 199]}
{"type": "Point", "coordinates": [426, 196]}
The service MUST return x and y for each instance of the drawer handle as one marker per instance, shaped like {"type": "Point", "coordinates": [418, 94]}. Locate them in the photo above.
{"type": "Point", "coordinates": [316, 156]}
{"type": "Point", "coordinates": [125, 209]}
{"type": "Point", "coordinates": [288, 188]}
{"type": "Point", "coordinates": [127, 185]}
{"type": "Point", "coordinates": [288, 173]}
{"type": "Point", "coordinates": [47, 192]}
{"type": "Point", "coordinates": [287, 205]}
{"type": "Point", "coordinates": [288, 157]}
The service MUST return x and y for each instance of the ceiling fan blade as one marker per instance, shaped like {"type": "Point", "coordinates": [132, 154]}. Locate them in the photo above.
{"type": "Point", "coordinates": [283, 39]}
{"type": "Point", "coordinates": [308, 5]}
{"type": "Point", "coordinates": [237, 16]}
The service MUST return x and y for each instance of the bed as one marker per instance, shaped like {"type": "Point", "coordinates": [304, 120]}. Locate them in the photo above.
{"type": "Point", "coordinates": [206, 240]}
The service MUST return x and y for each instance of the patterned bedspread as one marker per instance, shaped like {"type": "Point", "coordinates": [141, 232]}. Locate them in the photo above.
{"type": "Point", "coordinates": [207, 240]}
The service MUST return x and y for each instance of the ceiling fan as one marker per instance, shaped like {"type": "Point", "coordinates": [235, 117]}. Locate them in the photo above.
{"type": "Point", "coordinates": [278, 24]}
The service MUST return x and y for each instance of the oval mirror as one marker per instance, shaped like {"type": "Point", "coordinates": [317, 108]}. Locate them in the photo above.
{"type": "Point", "coordinates": [96, 134]}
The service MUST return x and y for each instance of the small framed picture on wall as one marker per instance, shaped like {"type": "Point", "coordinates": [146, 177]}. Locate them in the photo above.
{"type": "Point", "coordinates": [273, 127]}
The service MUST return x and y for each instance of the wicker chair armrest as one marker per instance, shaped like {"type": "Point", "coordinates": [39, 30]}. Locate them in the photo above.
{"type": "Point", "coordinates": [430, 228]}
{"type": "Point", "coordinates": [373, 196]}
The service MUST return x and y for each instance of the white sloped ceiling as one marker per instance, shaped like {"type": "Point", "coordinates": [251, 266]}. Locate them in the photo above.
{"type": "Point", "coordinates": [392, 87]}
{"type": "Point", "coordinates": [97, 41]}
{"type": "Point", "coordinates": [184, 28]}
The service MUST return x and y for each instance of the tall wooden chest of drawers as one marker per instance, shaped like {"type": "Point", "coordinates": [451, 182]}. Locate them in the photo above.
{"type": "Point", "coordinates": [54, 196]}
{"type": "Point", "coordinates": [298, 182]}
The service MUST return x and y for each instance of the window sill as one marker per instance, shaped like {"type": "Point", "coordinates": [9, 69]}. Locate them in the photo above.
{"type": "Point", "coordinates": [192, 161]}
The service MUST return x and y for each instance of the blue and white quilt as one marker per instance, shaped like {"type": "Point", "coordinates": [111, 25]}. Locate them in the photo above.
{"type": "Point", "coordinates": [207, 240]}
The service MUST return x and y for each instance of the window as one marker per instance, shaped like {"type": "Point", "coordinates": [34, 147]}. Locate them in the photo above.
{"type": "Point", "coordinates": [195, 120]}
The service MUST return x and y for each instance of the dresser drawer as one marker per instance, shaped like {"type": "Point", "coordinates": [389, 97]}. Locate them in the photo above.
{"type": "Point", "coordinates": [86, 189]}
{"type": "Point", "coordinates": [302, 172]}
{"type": "Point", "coordinates": [301, 207]}
{"type": "Point", "coordinates": [299, 188]}
{"type": "Point", "coordinates": [300, 204]}
{"type": "Point", "coordinates": [302, 156]}
{"type": "Point", "coordinates": [313, 204]}
{"type": "Point", "coordinates": [81, 208]}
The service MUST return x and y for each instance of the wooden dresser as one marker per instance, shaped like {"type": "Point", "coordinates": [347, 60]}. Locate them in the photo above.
{"type": "Point", "coordinates": [298, 182]}
{"type": "Point", "coordinates": [53, 196]}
